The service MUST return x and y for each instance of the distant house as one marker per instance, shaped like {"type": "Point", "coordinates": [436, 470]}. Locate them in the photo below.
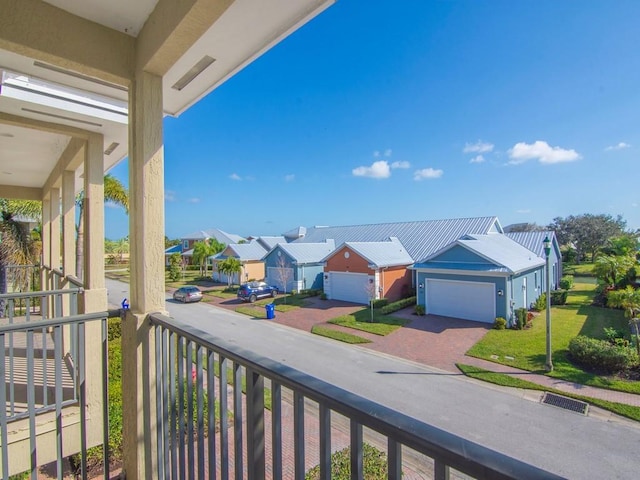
{"type": "Point", "coordinates": [466, 268]}
{"type": "Point", "coordinates": [185, 248]}
{"type": "Point", "coordinates": [299, 265]}
{"type": "Point", "coordinates": [250, 257]}
{"type": "Point", "coordinates": [360, 271]}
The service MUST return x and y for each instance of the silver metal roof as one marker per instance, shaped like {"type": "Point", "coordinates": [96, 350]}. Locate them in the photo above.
{"type": "Point", "coordinates": [269, 242]}
{"type": "Point", "coordinates": [420, 239]}
{"type": "Point", "coordinates": [533, 240]}
{"type": "Point", "coordinates": [497, 249]}
{"type": "Point", "coordinates": [305, 253]}
{"type": "Point", "coordinates": [219, 235]}
{"type": "Point", "coordinates": [244, 252]}
{"type": "Point", "coordinates": [382, 254]}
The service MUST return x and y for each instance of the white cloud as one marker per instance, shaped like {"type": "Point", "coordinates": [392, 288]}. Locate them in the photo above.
{"type": "Point", "coordinates": [111, 205]}
{"type": "Point", "coordinates": [376, 153]}
{"type": "Point", "coordinates": [379, 169]}
{"type": "Point", "coordinates": [427, 173]}
{"type": "Point", "coordinates": [194, 200]}
{"type": "Point", "coordinates": [403, 164]}
{"type": "Point", "coordinates": [478, 147]}
{"type": "Point", "coordinates": [170, 196]}
{"type": "Point", "coordinates": [524, 210]}
{"type": "Point", "coordinates": [388, 152]}
{"type": "Point", "coordinates": [477, 159]}
{"type": "Point", "coordinates": [289, 178]}
{"type": "Point", "coordinates": [541, 151]}
{"type": "Point", "coordinates": [634, 205]}
{"type": "Point", "coordinates": [235, 176]}
{"type": "Point", "coordinates": [619, 146]}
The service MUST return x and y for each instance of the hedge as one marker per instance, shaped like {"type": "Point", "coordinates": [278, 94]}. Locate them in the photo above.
{"type": "Point", "coordinates": [600, 355]}
{"type": "Point", "coordinates": [399, 305]}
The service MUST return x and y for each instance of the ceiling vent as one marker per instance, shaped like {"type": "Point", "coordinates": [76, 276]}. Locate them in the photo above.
{"type": "Point", "coordinates": [196, 70]}
{"type": "Point", "coordinates": [80, 76]}
{"type": "Point", "coordinates": [111, 148]}
{"type": "Point", "coordinates": [62, 117]}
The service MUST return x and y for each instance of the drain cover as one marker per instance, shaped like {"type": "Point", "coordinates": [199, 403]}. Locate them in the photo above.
{"type": "Point", "coordinates": [565, 402]}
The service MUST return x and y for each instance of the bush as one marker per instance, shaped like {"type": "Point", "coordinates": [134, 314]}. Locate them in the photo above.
{"type": "Point", "coordinates": [323, 296]}
{"type": "Point", "coordinates": [541, 303]}
{"type": "Point", "coordinates": [566, 282]}
{"type": "Point", "coordinates": [521, 318]}
{"type": "Point", "coordinates": [114, 328]}
{"type": "Point", "coordinates": [601, 355]}
{"type": "Point", "coordinates": [419, 309]}
{"type": "Point", "coordinates": [500, 323]}
{"type": "Point", "coordinates": [559, 297]}
{"type": "Point", "coordinates": [399, 305]}
{"type": "Point", "coordinates": [381, 302]}
{"type": "Point", "coordinates": [374, 465]}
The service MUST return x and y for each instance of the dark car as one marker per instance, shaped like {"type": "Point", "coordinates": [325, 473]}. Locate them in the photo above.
{"type": "Point", "coordinates": [250, 292]}
{"type": "Point", "coordinates": [187, 294]}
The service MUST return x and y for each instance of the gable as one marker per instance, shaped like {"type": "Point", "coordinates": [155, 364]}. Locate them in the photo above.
{"type": "Point", "coordinates": [459, 254]}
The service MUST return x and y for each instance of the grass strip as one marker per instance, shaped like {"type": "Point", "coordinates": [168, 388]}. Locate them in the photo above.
{"type": "Point", "coordinates": [252, 311]}
{"type": "Point", "coordinates": [622, 409]}
{"type": "Point", "coordinates": [361, 320]}
{"type": "Point", "coordinates": [337, 335]}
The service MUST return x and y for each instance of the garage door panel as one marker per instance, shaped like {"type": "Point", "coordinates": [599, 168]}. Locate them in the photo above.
{"type": "Point", "coordinates": [349, 287]}
{"type": "Point", "coordinates": [466, 300]}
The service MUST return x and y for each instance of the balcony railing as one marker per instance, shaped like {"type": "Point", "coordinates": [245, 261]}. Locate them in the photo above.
{"type": "Point", "coordinates": [193, 370]}
{"type": "Point", "coordinates": [43, 364]}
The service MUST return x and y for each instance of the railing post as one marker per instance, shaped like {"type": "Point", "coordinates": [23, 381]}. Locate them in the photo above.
{"type": "Point", "coordinates": [255, 425]}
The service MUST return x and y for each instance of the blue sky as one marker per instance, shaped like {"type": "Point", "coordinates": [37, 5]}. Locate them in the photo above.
{"type": "Point", "coordinates": [389, 111]}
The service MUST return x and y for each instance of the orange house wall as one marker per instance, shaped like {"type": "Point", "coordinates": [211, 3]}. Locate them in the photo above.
{"type": "Point", "coordinates": [355, 263]}
{"type": "Point", "coordinates": [396, 282]}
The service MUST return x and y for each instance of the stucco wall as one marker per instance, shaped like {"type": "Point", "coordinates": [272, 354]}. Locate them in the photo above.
{"type": "Point", "coordinates": [395, 282]}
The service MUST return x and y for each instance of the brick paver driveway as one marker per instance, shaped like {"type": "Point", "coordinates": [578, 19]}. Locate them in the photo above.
{"type": "Point", "coordinates": [431, 340]}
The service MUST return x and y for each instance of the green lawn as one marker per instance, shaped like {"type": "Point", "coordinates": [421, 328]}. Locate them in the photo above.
{"type": "Point", "coordinates": [579, 270]}
{"type": "Point", "coordinates": [628, 411]}
{"type": "Point", "coordinates": [337, 335]}
{"type": "Point", "coordinates": [361, 320]}
{"type": "Point", "coordinates": [527, 347]}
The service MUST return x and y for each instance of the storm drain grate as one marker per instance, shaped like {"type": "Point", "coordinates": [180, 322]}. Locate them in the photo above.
{"type": "Point", "coordinates": [565, 402]}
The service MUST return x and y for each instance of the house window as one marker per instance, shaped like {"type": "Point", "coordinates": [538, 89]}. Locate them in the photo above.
{"type": "Point", "coordinates": [185, 244]}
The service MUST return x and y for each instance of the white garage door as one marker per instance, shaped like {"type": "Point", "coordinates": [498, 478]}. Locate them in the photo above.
{"type": "Point", "coordinates": [467, 300]}
{"type": "Point", "coordinates": [349, 287]}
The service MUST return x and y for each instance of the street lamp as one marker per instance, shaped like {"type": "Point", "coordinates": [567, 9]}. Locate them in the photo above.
{"type": "Point", "coordinates": [547, 251]}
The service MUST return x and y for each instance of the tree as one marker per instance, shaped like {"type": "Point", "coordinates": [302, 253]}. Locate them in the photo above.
{"type": "Point", "coordinates": [625, 244]}
{"type": "Point", "coordinates": [16, 247]}
{"type": "Point", "coordinates": [114, 192]}
{"type": "Point", "coordinates": [284, 274]}
{"type": "Point", "coordinates": [587, 232]}
{"type": "Point", "coordinates": [203, 250]}
{"type": "Point", "coordinates": [175, 262]}
{"type": "Point", "coordinates": [614, 269]}
{"type": "Point", "coordinates": [629, 300]}
{"type": "Point", "coordinates": [229, 266]}
{"type": "Point", "coordinates": [524, 227]}
{"type": "Point", "coordinates": [170, 243]}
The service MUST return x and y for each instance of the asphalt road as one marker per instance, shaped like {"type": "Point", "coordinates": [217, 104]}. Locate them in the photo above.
{"type": "Point", "coordinates": [560, 441]}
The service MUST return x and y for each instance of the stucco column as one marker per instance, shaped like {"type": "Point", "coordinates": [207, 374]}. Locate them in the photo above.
{"type": "Point", "coordinates": [54, 227]}
{"type": "Point", "coordinates": [46, 241]}
{"type": "Point", "coordinates": [94, 298]}
{"type": "Point", "coordinates": [68, 244]}
{"type": "Point", "coordinates": [146, 237]}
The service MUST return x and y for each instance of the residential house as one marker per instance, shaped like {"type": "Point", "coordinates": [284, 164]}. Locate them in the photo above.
{"type": "Point", "coordinates": [361, 271]}
{"type": "Point", "coordinates": [534, 241]}
{"type": "Point", "coordinates": [185, 247]}
{"type": "Point", "coordinates": [297, 266]}
{"type": "Point", "coordinates": [250, 257]}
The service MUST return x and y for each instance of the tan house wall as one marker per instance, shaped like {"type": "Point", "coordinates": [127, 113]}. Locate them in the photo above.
{"type": "Point", "coordinates": [355, 263]}
{"type": "Point", "coordinates": [253, 271]}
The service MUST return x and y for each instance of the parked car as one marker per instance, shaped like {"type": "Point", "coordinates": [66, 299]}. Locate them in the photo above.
{"type": "Point", "coordinates": [187, 294]}
{"type": "Point", "coordinates": [250, 292]}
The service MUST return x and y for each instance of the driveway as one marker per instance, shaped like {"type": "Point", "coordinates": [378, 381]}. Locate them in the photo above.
{"type": "Point", "coordinates": [440, 342]}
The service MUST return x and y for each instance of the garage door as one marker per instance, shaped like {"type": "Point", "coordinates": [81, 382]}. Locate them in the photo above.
{"type": "Point", "coordinates": [467, 300]}
{"type": "Point", "coordinates": [349, 287]}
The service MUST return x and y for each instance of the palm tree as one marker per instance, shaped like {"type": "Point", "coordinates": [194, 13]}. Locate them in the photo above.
{"type": "Point", "coordinates": [203, 250]}
{"type": "Point", "coordinates": [629, 300]}
{"type": "Point", "coordinates": [114, 192]}
{"type": "Point", "coordinates": [16, 245]}
{"type": "Point", "coordinates": [229, 266]}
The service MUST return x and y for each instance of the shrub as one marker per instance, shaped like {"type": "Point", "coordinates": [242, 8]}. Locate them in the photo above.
{"type": "Point", "coordinates": [559, 297]}
{"type": "Point", "coordinates": [323, 296]}
{"type": "Point", "coordinates": [601, 355]}
{"type": "Point", "coordinates": [114, 328]}
{"type": "Point", "coordinates": [541, 303]}
{"type": "Point", "coordinates": [521, 318]}
{"type": "Point", "coordinates": [399, 305]}
{"type": "Point", "coordinates": [419, 309]}
{"type": "Point", "coordinates": [374, 465]}
{"type": "Point", "coordinates": [566, 282]}
{"type": "Point", "coordinates": [500, 323]}
{"type": "Point", "coordinates": [381, 302]}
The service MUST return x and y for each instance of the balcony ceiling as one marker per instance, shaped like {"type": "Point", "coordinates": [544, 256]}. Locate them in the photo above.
{"type": "Point", "coordinates": [47, 99]}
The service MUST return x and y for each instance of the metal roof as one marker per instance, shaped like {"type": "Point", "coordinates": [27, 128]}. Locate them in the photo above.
{"type": "Point", "coordinates": [269, 242]}
{"type": "Point", "coordinates": [497, 249]}
{"type": "Point", "coordinates": [173, 249]}
{"type": "Point", "coordinates": [421, 239]}
{"type": "Point", "coordinates": [245, 251]}
{"type": "Point", "coordinates": [305, 253]}
{"type": "Point", "coordinates": [382, 254]}
{"type": "Point", "coordinates": [295, 233]}
{"type": "Point", "coordinates": [219, 235]}
{"type": "Point", "coordinates": [533, 240]}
